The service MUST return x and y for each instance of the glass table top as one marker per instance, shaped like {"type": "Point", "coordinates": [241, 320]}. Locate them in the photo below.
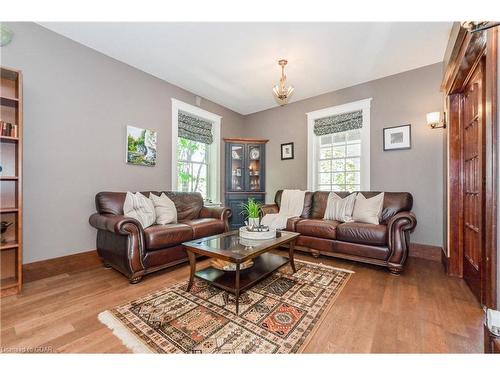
{"type": "Point", "coordinates": [231, 245]}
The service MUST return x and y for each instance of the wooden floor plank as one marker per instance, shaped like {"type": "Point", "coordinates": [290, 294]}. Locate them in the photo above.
{"type": "Point", "coordinates": [422, 310]}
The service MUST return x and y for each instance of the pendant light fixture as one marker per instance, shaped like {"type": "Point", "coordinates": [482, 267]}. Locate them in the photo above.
{"type": "Point", "coordinates": [281, 92]}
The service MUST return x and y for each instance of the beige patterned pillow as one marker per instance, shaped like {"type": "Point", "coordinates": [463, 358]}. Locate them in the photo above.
{"type": "Point", "coordinates": [165, 210]}
{"type": "Point", "coordinates": [339, 209]}
{"type": "Point", "coordinates": [368, 210]}
{"type": "Point", "coordinates": [139, 207]}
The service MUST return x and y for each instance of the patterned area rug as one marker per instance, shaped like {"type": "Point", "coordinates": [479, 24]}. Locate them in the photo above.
{"type": "Point", "coordinates": [278, 315]}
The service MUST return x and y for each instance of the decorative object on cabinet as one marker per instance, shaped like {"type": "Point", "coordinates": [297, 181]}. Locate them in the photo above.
{"type": "Point", "coordinates": [397, 138]}
{"type": "Point", "coordinates": [141, 146]}
{"type": "Point", "coordinates": [11, 120]}
{"type": "Point", "coordinates": [245, 175]}
{"type": "Point", "coordinates": [3, 228]}
{"type": "Point", "coordinates": [287, 151]}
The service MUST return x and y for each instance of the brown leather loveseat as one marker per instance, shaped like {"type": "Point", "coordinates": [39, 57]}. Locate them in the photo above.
{"type": "Point", "coordinates": [135, 251]}
{"type": "Point", "coordinates": [385, 244]}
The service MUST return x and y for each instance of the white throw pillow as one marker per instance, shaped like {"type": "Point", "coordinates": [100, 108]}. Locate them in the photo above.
{"type": "Point", "coordinates": [165, 210]}
{"type": "Point", "coordinates": [368, 210]}
{"type": "Point", "coordinates": [339, 209]}
{"type": "Point", "coordinates": [139, 207]}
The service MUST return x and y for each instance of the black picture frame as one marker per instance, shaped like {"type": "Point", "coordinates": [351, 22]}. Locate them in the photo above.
{"type": "Point", "coordinates": [283, 145]}
{"type": "Point", "coordinates": [386, 132]}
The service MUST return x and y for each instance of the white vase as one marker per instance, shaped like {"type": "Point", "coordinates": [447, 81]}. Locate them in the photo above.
{"type": "Point", "coordinates": [254, 221]}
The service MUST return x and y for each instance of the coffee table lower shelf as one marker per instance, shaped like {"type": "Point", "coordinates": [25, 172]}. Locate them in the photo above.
{"type": "Point", "coordinates": [263, 266]}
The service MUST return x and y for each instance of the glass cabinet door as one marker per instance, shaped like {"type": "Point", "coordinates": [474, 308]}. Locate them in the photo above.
{"type": "Point", "coordinates": [237, 167]}
{"type": "Point", "coordinates": [254, 168]}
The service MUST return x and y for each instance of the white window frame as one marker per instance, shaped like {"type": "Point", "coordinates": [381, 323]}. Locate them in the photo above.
{"type": "Point", "coordinates": [214, 152]}
{"type": "Point", "coordinates": [312, 140]}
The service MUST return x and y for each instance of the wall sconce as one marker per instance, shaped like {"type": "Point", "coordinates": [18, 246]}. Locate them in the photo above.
{"type": "Point", "coordinates": [434, 120]}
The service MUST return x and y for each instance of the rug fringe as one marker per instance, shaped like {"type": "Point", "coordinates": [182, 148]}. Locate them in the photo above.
{"type": "Point", "coordinates": [123, 333]}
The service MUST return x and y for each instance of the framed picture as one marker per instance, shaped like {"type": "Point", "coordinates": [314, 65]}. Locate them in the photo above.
{"type": "Point", "coordinates": [141, 146]}
{"type": "Point", "coordinates": [287, 151]}
{"type": "Point", "coordinates": [397, 138]}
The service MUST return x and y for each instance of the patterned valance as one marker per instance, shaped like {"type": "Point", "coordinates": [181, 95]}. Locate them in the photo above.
{"type": "Point", "coordinates": [338, 123]}
{"type": "Point", "coordinates": [194, 128]}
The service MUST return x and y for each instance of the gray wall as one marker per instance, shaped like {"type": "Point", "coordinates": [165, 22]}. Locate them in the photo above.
{"type": "Point", "coordinates": [399, 99]}
{"type": "Point", "coordinates": [77, 103]}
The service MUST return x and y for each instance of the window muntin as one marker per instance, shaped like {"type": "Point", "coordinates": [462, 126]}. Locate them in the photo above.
{"type": "Point", "coordinates": [339, 161]}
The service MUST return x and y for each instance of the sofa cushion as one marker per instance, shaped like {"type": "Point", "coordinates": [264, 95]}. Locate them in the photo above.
{"type": "Point", "coordinates": [205, 227]}
{"type": "Point", "coordinates": [140, 208]}
{"type": "Point", "coordinates": [368, 210]}
{"type": "Point", "coordinates": [338, 208]}
{"type": "Point", "coordinates": [317, 228]}
{"type": "Point", "coordinates": [165, 210]}
{"type": "Point", "coordinates": [188, 205]}
{"type": "Point", "coordinates": [161, 236]}
{"type": "Point", "coordinates": [291, 223]}
{"type": "Point", "coordinates": [370, 234]}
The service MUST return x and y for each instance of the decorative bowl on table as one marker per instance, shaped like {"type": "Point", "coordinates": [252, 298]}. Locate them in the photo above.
{"type": "Point", "coordinates": [257, 233]}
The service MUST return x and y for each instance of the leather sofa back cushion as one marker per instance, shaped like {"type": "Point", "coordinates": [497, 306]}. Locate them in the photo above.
{"type": "Point", "coordinates": [306, 213]}
{"type": "Point", "coordinates": [188, 205]}
{"type": "Point", "coordinates": [393, 203]}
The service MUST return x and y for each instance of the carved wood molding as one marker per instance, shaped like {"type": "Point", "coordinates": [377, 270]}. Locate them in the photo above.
{"type": "Point", "coordinates": [466, 54]}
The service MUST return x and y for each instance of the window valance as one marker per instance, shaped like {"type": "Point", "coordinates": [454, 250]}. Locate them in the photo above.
{"type": "Point", "coordinates": [338, 123]}
{"type": "Point", "coordinates": [195, 128]}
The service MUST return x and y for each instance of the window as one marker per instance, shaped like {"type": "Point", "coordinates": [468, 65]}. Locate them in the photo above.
{"type": "Point", "coordinates": [195, 150]}
{"type": "Point", "coordinates": [339, 148]}
{"type": "Point", "coordinates": [193, 166]}
{"type": "Point", "coordinates": [339, 161]}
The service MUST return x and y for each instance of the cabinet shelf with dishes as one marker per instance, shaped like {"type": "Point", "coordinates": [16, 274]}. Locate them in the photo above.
{"type": "Point", "coordinates": [245, 174]}
{"type": "Point", "coordinates": [11, 214]}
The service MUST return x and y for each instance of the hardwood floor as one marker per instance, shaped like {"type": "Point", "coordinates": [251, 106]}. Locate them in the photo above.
{"type": "Point", "coordinates": [422, 310]}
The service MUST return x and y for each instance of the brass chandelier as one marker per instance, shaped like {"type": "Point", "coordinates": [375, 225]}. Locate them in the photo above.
{"type": "Point", "coordinates": [281, 92]}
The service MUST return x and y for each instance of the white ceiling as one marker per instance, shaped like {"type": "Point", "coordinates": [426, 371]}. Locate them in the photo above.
{"type": "Point", "coordinates": [235, 64]}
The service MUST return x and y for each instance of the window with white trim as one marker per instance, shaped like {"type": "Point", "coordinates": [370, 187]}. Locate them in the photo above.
{"type": "Point", "coordinates": [195, 150]}
{"type": "Point", "coordinates": [339, 148]}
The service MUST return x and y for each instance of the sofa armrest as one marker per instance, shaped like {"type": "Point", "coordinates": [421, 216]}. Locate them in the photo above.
{"type": "Point", "coordinates": [117, 224]}
{"type": "Point", "coordinates": [269, 209]}
{"type": "Point", "coordinates": [126, 256]}
{"type": "Point", "coordinates": [399, 228]}
{"type": "Point", "coordinates": [221, 213]}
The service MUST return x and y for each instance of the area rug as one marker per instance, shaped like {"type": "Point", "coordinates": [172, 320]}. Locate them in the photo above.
{"type": "Point", "coordinates": [278, 315]}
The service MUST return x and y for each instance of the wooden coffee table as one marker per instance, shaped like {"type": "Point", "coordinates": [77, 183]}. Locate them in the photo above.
{"type": "Point", "coordinates": [230, 247]}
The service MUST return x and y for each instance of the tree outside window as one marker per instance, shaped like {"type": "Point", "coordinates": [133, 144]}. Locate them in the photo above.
{"type": "Point", "coordinates": [193, 166]}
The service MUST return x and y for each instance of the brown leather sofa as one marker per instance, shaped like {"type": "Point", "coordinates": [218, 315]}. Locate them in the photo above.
{"type": "Point", "coordinates": [135, 251]}
{"type": "Point", "coordinates": [385, 244]}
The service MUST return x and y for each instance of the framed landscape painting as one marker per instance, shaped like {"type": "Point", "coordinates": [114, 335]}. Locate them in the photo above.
{"type": "Point", "coordinates": [397, 138]}
{"type": "Point", "coordinates": [141, 146]}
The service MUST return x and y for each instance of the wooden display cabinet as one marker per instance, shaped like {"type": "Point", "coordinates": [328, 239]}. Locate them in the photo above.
{"type": "Point", "coordinates": [245, 175]}
{"type": "Point", "coordinates": [11, 156]}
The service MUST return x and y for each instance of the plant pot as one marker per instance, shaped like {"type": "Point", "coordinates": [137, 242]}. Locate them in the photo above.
{"type": "Point", "coordinates": [254, 221]}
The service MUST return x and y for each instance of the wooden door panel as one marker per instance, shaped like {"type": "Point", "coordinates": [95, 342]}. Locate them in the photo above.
{"type": "Point", "coordinates": [473, 180]}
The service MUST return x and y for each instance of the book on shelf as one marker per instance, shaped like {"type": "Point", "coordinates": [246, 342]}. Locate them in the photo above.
{"type": "Point", "coordinates": [8, 130]}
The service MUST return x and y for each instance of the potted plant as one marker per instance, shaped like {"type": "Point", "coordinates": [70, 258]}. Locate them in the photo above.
{"type": "Point", "coordinates": [251, 210]}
